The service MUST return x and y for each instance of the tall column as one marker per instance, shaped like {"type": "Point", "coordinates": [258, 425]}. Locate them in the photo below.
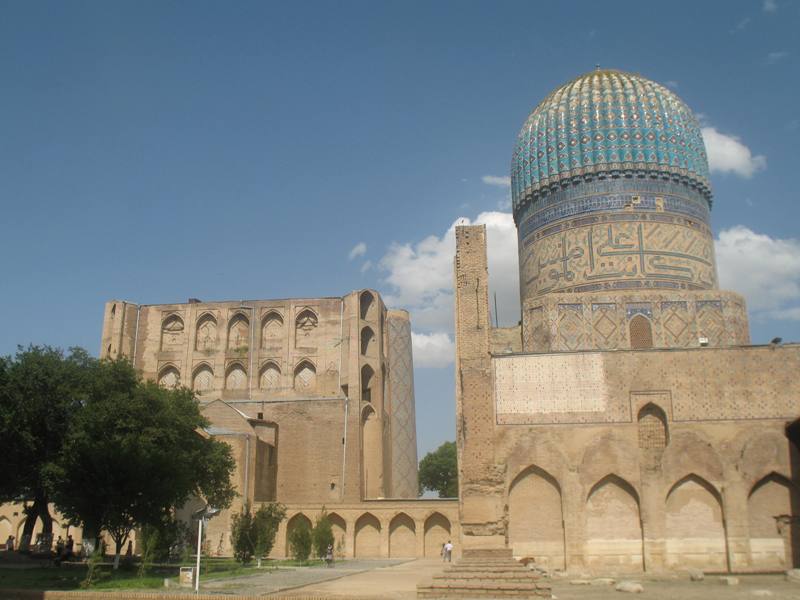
{"type": "Point", "coordinates": [480, 480]}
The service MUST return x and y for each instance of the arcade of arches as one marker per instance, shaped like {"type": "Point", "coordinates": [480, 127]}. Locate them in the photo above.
{"type": "Point", "coordinates": [381, 529]}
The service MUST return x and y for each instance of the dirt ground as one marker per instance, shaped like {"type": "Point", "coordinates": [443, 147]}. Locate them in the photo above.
{"type": "Point", "coordinates": [399, 582]}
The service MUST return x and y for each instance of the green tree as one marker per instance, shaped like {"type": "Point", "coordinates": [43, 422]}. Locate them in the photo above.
{"type": "Point", "coordinates": [300, 540]}
{"type": "Point", "coordinates": [135, 451]}
{"type": "Point", "coordinates": [254, 534]}
{"type": "Point", "coordinates": [322, 534]}
{"type": "Point", "coordinates": [41, 389]}
{"type": "Point", "coordinates": [438, 471]}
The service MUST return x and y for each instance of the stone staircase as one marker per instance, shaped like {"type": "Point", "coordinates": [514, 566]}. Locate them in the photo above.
{"type": "Point", "coordinates": [485, 574]}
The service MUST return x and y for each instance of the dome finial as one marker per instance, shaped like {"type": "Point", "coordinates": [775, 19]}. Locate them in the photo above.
{"type": "Point", "coordinates": [597, 66]}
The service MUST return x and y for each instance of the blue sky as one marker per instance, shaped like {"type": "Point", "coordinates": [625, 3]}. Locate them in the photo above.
{"type": "Point", "coordinates": [156, 151]}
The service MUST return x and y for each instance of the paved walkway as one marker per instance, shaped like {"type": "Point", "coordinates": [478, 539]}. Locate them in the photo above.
{"type": "Point", "coordinates": [282, 579]}
{"type": "Point", "coordinates": [398, 582]}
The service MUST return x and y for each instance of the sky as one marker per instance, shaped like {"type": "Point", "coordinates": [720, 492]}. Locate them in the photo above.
{"type": "Point", "coordinates": [155, 151]}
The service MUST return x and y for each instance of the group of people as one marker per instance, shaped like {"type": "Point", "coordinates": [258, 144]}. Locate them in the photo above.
{"type": "Point", "coordinates": [447, 551]}
{"type": "Point", "coordinates": [64, 548]}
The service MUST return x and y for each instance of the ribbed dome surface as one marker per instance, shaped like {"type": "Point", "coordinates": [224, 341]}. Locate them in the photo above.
{"type": "Point", "coordinates": [607, 123]}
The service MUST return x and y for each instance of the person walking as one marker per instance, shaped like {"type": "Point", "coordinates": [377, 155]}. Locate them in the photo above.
{"type": "Point", "coordinates": [329, 556]}
{"type": "Point", "coordinates": [10, 544]}
{"type": "Point", "coordinates": [448, 551]}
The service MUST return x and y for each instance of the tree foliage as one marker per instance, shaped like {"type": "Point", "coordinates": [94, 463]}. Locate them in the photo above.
{"type": "Point", "coordinates": [322, 534]}
{"type": "Point", "coordinates": [300, 540]}
{"type": "Point", "coordinates": [133, 452]}
{"type": "Point", "coordinates": [254, 534]}
{"type": "Point", "coordinates": [41, 389]}
{"type": "Point", "coordinates": [438, 471]}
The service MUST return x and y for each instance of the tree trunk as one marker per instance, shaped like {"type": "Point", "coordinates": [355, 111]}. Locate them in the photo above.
{"type": "Point", "coordinates": [118, 546]}
{"type": "Point", "coordinates": [47, 525]}
{"type": "Point", "coordinates": [24, 543]}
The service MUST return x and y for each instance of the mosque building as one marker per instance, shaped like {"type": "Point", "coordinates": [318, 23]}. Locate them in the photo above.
{"type": "Point", "coordinates": [626, 423]}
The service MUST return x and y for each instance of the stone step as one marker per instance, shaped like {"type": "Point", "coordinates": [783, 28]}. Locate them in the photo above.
{"type": "Point", "coordinates": [482, 590]}
{"type": "Point", "coordinates": [482, 575]}
{"type": "Point", "coordinates": [487, 553]}
{"type": "Point", "coordinates": [470, 569]}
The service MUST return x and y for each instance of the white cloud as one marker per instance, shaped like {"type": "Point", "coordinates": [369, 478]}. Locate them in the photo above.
{"type": "Point", "coordinates": [727, 154]}
{"type": "Point", "coordinates": [433, 350]}
{"type": "Point", "coordinates": [770, 6]}
{"type": "Point", "coordinates": [498, 181]}
{"type": "Point", "coordinates": [420, 276]}
{"type": "Point", "coordinates": [360, 249]}
{"type": "Point", "coordinates": [765, 270]}
{"type": "Point", "coordinates": [774, 57]}
{"type": "Point", "coordinates": [366, 266]}
{"type": "Point", "coordinates": [672, 84]}
{"type": "Point", "coordinates": [741, 25]}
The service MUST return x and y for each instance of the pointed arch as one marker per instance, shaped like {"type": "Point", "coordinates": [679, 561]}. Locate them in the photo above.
{"type": "Point", "coordinates": [202, 378]}
{"type": "Point", "coordinates": [367, 377]}
{"type": "Point", "coordinates": [653, 429]}
{"type": "Point", "coordinates": [305, 325]}
{"type": "Point", "coordinates": [339, 529]}
{"type": "Point", "coordinates": [773, 536]}
{"type": "Point", "coordinates": [172, 332]}
{"type": "Point", "coordinates": [437, 531]}
{"type": "Point", "coordinates": [641, 332]}
{"type": "Point", "coordinates": [535, 517]}
{"type": "Point", "coordinates": [371, 455]}
{"type": "Point", "coordinates": [239, 332]}
{"type": "Point", "coordinates": [367, 536]}
{"type": "Point", "coordinates": [206, 332]}
{"type": "Point", "coordinates": [366, 303]}
{"type": "Point", "coordinates": [305, 377]}
{"type": "Point", "coordinates": [236, 376]}
{"type": "Point", "coordinates": [402, 536]}
{"type": "Point", "coordinates": [271, 329]}
{"type": "Point", "coordinates": [695, 527]}
{"type": "Point", "coordinates": [291, 525]}
{"type": "Point", "coordinates": [367, 341]}
{"type": "Point", "coordinates": [269, 377]}
{"type": "Point", "coordinates": [614, 525]}
{"type": "Point", "coordinates": [169, 376]}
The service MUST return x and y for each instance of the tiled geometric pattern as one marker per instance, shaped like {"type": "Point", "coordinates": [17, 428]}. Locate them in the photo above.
{"type": "Point", "coordinates": [566, 388]}
{"type": "Point", "coordinates": [641, 332]}
{"type": "Point", "coordinates": [652, 429]}
{"type": "Point", "coordinates": [403, 420]}
{"type": "Point", "coordinates": [677, 319]}
{"type": "Point", "coordinates": [606, 122]}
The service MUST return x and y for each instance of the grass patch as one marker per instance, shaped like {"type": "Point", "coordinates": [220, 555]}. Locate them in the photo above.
{"type": "Point", "coordinates": [69, 577]}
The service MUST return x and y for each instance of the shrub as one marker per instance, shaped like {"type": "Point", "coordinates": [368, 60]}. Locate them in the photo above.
{"type": "Point", "coordinates": [254, 535]}
{"type": "Point", "coordinates": [322, 535]}
{"type": "Point", "coordinates": [300, 541]}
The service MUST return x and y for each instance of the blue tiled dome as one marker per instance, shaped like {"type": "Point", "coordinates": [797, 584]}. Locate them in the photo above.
{"type": "Point", "coordinates": [605, 124]}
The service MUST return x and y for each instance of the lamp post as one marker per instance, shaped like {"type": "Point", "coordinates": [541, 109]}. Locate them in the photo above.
{"type": "Point", "coordinates": [201, 515]}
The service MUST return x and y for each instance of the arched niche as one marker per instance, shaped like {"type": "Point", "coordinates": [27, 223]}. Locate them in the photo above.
{"type": "Point", "coordinates": [367, 341]}
{"type": "Point", "coordinates": [774, 536]}
{"type": "Point", "coordinates": [535, 518]}
{"type": "Point", "coordinates": [305, 325]}
{"type": "Point", "coordinates": [269, 378]}
{"type": "Point", "coordinates": [437, 532]}
{"type": "Point", "coordinates": [653, 431]}
{"type": "Point", "coordinates": [271, 329]}
{"type": "Point", "coordinates": [402, 537]}
{"type": "Point", "coordinates": [613, 526]}
{"type": "Point", "coordinates": [339, 530]}
{"type": "Point", "coordinates": [235, 377]}
{"type": "Point", "coordinates": [641, 332]}
{"type": "Point", "coordinates": [172, 333]}
{"type": "Point", "coordinates": [367, 377]}
{"type": "Point", "coordinates": [169, 377]}
{"type": "Point", "coordinates": [206, 333]}
{"type": "Point", "coordinates": [239, 332]}
{"type": "Point", "coordinates": [367, 303]}
{"type": "Point", "coordinates": [371, 455]}
{"type": "Point", "coordinates": [305, 377]}
{"type": "Point", "coordinates": [694, 525]}
{"type": "Point", "coordinates": [367, 536]}
{"type": "Point", "coordinates": [203, 379]}
{"type": "Point", "coordinates": [291, 525]}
